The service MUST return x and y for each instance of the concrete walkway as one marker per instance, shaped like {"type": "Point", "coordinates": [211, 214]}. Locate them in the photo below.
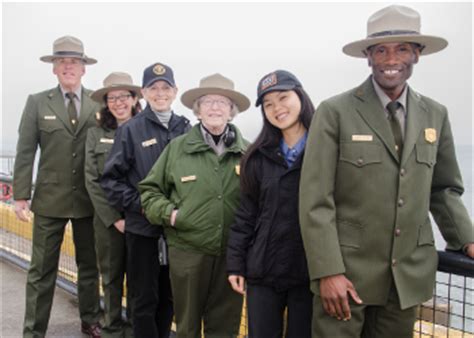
{"type": "Point", "coordinates": [64, 321]}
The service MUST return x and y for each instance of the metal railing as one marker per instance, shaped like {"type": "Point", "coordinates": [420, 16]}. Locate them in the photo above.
{"type": "Point", "coordinates": [449, 314]}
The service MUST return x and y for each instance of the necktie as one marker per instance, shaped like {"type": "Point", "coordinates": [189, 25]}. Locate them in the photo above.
{"type": "Point", "coordinates": [71, 110]}
{"type": "Point", "coordinates": [395, 125]}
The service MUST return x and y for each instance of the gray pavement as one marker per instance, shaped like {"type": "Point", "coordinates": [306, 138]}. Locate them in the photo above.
{"type": "Point", "coordinates": [64, 321]}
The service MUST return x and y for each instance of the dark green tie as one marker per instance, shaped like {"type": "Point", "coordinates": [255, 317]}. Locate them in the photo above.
{"type": "Point", "coordinates": [71, 110]}
{"type": "Point", "coordinates": [395, 125]}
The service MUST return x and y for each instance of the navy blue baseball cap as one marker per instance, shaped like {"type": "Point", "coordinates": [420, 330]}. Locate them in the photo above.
{"type": "Point", "coordinates": [155, 72]}
{"type": "Point", "coordinates": [279, 80]}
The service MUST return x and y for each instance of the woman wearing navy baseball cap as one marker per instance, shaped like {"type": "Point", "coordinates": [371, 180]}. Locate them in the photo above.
{"type": "Point", "coordinates": [265, 254]}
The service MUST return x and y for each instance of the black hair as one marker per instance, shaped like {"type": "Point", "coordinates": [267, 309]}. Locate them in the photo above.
{"type": "Point", "coordinates": [270, 136]}
{"type": "Point", "coordinates": [107, 120]}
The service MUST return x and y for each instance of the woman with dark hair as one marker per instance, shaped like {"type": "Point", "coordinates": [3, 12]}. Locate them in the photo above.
{"type": "Point", "coordinates": [265, 254]}
{"type": "Point", "coordinates": [120, 99]}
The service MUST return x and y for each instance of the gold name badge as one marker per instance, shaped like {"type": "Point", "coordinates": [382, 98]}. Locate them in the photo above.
{"type": "Point", "coordinates": [149, 142]}
{"type": "Point", "coordinates": [430, 135]}
{"type": "Point", "coordinates": [188, 178]}
{"type": "Point", "coordinates": [362, 138]}
{"type": "Point", "coordinates": [107, 140]}
{"type": "Point", "coordinates": [50, 117]}
{"type": "Point", "coordinates": [237, 169]}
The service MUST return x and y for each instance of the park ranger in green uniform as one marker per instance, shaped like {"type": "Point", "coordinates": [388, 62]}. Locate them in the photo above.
{"type": "Point", "coordinates": [378, 159]}
{"type": "Point", "coordinates": [56, 121]}
{"type": "Point", "coordinates": [120, 102]}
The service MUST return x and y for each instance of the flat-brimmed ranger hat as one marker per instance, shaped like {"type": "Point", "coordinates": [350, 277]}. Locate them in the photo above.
{"type": "Point", "coordinates": [216, 84]}
{"type": "Point", "coordinates": [279, 80]}
{"type": "Point", "coordinates": [116, 81]}
{"type": "Point", "coordinates": [68, 47]}
{"type": "Point", "coordinates": [395, 24]}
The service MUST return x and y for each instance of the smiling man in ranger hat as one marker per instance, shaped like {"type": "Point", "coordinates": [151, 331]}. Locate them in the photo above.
{"type": "Point", "coordinates": [378, 159]}
{"type": "Point", "coordinates": [57, 120]}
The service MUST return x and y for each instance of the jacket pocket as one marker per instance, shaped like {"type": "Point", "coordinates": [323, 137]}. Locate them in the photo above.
{"type": "Point", "coordinates": [426, 154]}
{"type": "Point", "coordinates": [50, 126]}
{"type": "Point", "coordinates": [101, 153]}
{"type": "Point", "coordinates": [360, 154]}
{"type": "Point", "coordinates": [350, 234]}
{"type": "Point", "coordinates": [425, 234]}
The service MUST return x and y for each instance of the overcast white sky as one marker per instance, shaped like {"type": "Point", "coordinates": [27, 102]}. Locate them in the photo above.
{"type": "Point", "coordinates": [243, 41]}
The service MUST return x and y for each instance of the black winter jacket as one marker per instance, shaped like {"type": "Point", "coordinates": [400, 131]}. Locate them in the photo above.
{"type": "Point", "coordinates": [137, 146]}
{"type": "Point", "coordinates": [265, 244]}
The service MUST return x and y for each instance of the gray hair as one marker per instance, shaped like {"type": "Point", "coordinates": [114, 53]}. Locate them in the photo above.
{"type": "Point", "coordinates": [233, 111]}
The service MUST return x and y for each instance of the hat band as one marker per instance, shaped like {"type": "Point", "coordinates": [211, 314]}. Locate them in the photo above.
{"type": "Point", "coordinates": [394, 32]}
{"type": "Point", "coordinates": [69, 53]}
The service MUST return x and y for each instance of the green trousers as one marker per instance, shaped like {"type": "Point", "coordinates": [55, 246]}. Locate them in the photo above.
{"type": "Point", "coordinates": [48, 235]}
{"type": "Point", "coordinates": [110, 247]}
{"type": "Point", "coordinates": [367, 321]}
{"type": "Point", "coordinates": [202, 294]}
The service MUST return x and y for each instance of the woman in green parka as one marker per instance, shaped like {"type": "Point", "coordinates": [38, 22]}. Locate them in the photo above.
{"type": "Point", "coordinates": [120, 99]}
{"type": "Point", "coordinates": [193, 191]}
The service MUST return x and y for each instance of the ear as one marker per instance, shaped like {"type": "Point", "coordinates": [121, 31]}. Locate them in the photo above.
{"type": "Point", "coordinates": [417, 55]}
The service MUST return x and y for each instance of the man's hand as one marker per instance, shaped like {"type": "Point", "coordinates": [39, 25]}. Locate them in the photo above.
{"type": "Point", "coordinates": [120, 225]}
{"type": "Point", "coordinates": [237, 283]}
{"type": "Point", "coordinates": [22, 210]}
{"type": "Point", "coordinates": [470, 250]}
{"type": "Point", "coordinates": [334, 290]}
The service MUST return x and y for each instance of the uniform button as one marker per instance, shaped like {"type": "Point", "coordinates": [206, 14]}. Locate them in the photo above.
{"type": "Point", "coordinates": [219, 197]}
{"type": "Point", "coordinates": [216, 169]}
{"type": "Point", "coordinates": [394, 262]}
{"type": "Point", "coordinates": [74, 154]}
{"type": "Point", "coordinates": [360, 161]}
{"type": "Point", "coordinates": [219, 226]}
{"type": "Point", "coordinates": [397, 232]}
{"type": "Point", "coordinates": [402, 172]}
{"type": "Point", "coordinates": [74, 187]}
{"type": "Point", "coordinates": [401, 202]}
{"type": "Point", "coordinates": [74, 171]}
{"type": "Point", "coordinates": [75, 138]}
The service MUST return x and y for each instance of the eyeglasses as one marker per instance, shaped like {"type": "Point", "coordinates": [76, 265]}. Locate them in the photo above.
{"type": "Point", "coordinates": [121, 98]}
{"type": "Point", "coordinates": [220, 103]}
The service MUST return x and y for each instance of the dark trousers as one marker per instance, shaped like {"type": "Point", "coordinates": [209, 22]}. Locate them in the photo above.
{"type": "Point", "coordinates": [266, 308]}
{"type": "Point", "coordinates": [48, 235]}
{"type": "Point", "coordinates": [152, 301]}
{"type": "Point", "coordinates": [110, 247]}
{"type": "Point", "coordinates": [367, 321]}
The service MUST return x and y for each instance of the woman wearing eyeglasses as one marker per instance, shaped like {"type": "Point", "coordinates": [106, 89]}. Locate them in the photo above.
{"type": "Point", "coordinates": [265, 256]}
{"type": "Point", "coordinates": [193, 191]}
{"type": "Point", "coordinates": [120, 99]}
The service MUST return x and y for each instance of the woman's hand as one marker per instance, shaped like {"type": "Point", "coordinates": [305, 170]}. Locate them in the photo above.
{"type": "Point", "coordinates": [174, 213]}
{"type": "Point", "coordinates": [237, 283]}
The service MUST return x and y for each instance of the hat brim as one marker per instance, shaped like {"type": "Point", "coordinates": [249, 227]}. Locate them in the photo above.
{"type": "Point", "coordinates": [98, 95]}
{"type": "Point", "coordinates": [50, 58]}
{"type": "Point", "coordinates": [277, 88]}
{"type": "Point", "coordinates": [188, 97]}
{"type": "Point", "coordinates": [432, 44]}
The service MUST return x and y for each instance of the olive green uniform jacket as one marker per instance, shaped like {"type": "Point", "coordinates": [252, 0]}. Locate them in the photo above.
{"type": "Point", "coordinates": [364, 212]}
{"type": "Point", "coordinates": [98, 145]}
{"type": "Point", "coordinates": [60, 189]}
{"type": "Point", "coordinates": [204, 187]}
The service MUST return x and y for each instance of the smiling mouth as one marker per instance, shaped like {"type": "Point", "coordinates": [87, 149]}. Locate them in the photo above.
{"type": "Point", "coordinates": [391, 71]}
{"type": "Point", "coordinates": [280, 117]}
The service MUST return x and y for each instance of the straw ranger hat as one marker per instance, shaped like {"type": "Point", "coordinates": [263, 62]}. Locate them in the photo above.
{"type": "Point", "coordinates": [68, 47]}
{"type": "Point", "coordinates": [395, 24]}
{"type": "Point", "coordinates": [218, 85]}
{"type": "Point", "coordinates": [116, 81]}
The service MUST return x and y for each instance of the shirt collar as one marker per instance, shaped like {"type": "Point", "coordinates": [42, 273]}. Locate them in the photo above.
{"type": "Point", "coordinates": [291, 154]}
{"type": "Point", "coordinates": [78, 92]}
{"type": "Point", "coordinates": [384, 99]}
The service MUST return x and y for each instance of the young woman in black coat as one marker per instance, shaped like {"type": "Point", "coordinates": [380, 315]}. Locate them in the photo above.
{"type": "Point", "coordinates": [265, 254]}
